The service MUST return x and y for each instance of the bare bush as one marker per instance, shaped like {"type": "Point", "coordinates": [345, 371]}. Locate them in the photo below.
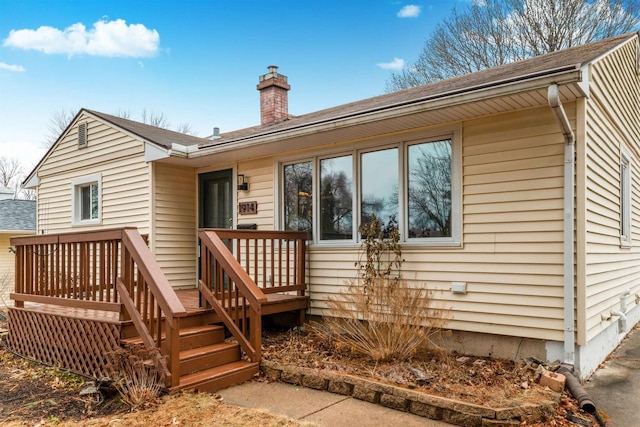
{"type": "Point", "coordinates": [137, 380]}
{"type": "Point", "coordinates": [380, 315]}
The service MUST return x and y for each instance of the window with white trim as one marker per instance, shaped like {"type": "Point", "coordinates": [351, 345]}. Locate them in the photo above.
{"type": "Point", "coordinates": [413, 185]}
{"type": "Point", "coordinates": [625, 198]}
{"type": "Point", "coordinates": [86, 195]}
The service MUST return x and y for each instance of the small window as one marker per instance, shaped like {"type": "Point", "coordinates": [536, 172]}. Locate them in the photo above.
{"type": "Point", "coordinates": [625, 199]}
{"type": "Point", "coordinates": [83, 135]}
{"type": "Point", "coordinates": [85, 197]}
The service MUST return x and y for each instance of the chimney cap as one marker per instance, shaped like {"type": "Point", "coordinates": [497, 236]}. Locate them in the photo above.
{"type": "Point", "coordinates": [275, 76]}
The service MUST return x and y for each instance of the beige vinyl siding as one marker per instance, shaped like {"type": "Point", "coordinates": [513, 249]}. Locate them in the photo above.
{"type": "Point", "coordinates": [119, 160]}
{"type": "Point", "coordinates": [613, 122]}
{"type": "Point", "coordinates": [174, 225]}
{"type": "Point", "coordinates": [7, 268]}
{"type": "Point", "coordinates": [260, 176]}
{"type": "Point", "coordinates": [512, 233]}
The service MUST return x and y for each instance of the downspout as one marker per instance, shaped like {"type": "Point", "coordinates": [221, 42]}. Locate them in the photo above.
{"type": "Point", "coordinates": [553, 96]}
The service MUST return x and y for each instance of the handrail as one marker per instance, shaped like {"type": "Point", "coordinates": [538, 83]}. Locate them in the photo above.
{"type": "Point", "coordinates": [230, 299]}
{"type": "Point", "coordinates": [158, 283]}
{"type": "Point", "coordinates": [138, 322]}
{"type": "Point", "coordinates": [230, 265]}
{"type": "Point", "coordinates": [251, 351]}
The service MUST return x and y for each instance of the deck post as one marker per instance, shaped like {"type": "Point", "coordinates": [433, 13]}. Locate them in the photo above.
{"type": "Point", "coordinates": [173, 343]}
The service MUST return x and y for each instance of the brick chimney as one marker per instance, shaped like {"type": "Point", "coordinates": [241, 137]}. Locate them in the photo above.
{"type": "Point", "coordinates": [274, 104]}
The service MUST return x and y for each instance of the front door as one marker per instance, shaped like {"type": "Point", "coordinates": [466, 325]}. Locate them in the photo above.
{"type": "Point", "coordinates": [215, 202]}
{"type": "Point", "coordinates": [216, 199]}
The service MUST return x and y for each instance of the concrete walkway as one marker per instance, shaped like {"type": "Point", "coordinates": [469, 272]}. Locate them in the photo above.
{"type": "Point", "coordinates": [615, 387]}
{"type": "Point", "coordinates": [319, 408]}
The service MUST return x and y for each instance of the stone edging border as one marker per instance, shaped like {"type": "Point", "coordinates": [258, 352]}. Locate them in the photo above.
{"type": "Point", "coordinates": [434, 407]}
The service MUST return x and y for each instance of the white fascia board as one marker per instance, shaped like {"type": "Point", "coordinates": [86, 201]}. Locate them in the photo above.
{"type": "Point", "coordinates": [180, 150]}
{"type": "Point", "coordinates": [32, 182]}
{"type": "Point", "coordinates": [152, 152]}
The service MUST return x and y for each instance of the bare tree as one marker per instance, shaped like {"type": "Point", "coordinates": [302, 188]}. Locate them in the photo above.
{"type": "Point", "coordinates": [11, 175]}
{"type": "Point", "coordinates": [58, 122]}
{"type": "Point", "coordinates": [10, 172]}
{"type": "Point", "coordinates": [155, 118]}
{"type": "Point", "coordinates": [489, 33]}
{"type": "Point", "coordinates": [186, 128]}
{"type": "Point", "coordinates": [122, 113]}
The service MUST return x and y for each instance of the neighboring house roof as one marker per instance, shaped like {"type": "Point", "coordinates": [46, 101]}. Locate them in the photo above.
{"type": "Point", "coordinates": [17, 215]}
{"type": "Point", "coordinates": [6, 193]}
{"type": "Point", "coordinates": [564, 60]}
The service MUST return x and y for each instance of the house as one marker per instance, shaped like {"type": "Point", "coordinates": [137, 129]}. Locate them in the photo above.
{"type": "Point", "coordinates": [516, 191]}
{"type": "Point", "coordinates": [17, 218]}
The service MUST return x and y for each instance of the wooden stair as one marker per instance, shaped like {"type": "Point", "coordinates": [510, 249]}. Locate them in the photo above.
{"type": "Point", "coordinates": [208, 363]}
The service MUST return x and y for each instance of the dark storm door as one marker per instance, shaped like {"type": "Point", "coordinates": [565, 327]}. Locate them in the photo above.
{"type": "Point", "coordinates": [215, 201]}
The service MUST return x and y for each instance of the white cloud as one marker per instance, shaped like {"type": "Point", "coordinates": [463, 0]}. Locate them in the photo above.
{"type": "Point", "coordinates": [17, 68]}
{"type": "Point", "coordinates": [409, 11]}
{"type": "Point", "coordinates": [106, 38]}
{"type": "Point", "coordinates": [396, 64]}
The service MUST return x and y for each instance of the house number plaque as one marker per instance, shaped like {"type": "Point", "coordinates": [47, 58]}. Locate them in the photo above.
{"type": "Point", "coordinates": [247, 208]}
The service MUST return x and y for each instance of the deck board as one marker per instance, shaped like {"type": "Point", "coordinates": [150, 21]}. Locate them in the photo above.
{"type": "Point", "coordinates": [76, 313]}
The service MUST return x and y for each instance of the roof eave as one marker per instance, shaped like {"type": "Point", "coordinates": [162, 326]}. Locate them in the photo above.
{"type": "Point", "coordinates": [566, 75]}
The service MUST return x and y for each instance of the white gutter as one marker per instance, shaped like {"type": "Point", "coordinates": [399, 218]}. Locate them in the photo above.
{"type": "Point", "coordinates": [553, 96]}
{"type": "Point", "coordinates": [566, 76]}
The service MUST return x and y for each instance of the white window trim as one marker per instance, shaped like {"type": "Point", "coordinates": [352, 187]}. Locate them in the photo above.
{"type": "Point", "coordinates": [625, 199]}
{"type": "Point", "coordinates": [450, 132]}
{"type": "Point", "coordinates": [76, 200]}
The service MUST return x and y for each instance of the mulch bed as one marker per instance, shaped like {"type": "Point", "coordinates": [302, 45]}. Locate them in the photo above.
{"type": "Point", "coordinates": [482, 381]}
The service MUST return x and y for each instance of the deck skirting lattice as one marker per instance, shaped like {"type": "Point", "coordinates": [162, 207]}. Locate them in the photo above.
{"type": "Point", "coordinates": [79, 345]}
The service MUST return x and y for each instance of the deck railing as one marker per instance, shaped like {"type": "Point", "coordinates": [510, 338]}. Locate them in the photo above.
{"type": "Point", "coordinates": [235, 286]}
{"type": "Point", "coordinates": [110, 270]}
{"type": "Point", "coordinates": [275, 260]}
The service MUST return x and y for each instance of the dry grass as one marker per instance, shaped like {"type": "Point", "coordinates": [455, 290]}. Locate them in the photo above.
{"type": "Point", "coordinates": [379, 315]}
{"type": "Point", "coordinates": [137, 380]}
{"type": "Point", "coordinates": [388, 320]}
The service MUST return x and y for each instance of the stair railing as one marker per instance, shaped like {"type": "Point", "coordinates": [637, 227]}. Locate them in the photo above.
{"type": "Point", "coordinates": [149, 299]}
{"type": "Point", "coordinates": [232, 293]}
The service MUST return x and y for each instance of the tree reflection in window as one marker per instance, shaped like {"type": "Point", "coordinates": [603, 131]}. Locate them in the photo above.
{"type": "Point", "coordinates": [379, 187]}
{"type": "Point", "coordinates": [298, 196]}
{"type": "Point", "coordinates": [336, 198]}
{"type": "Point", "coordinates": [429, 192]}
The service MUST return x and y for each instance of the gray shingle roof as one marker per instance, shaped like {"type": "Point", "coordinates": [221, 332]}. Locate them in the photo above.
{"type": "Point", "coordinates": [160, 136]}
{"type": "Point", "coordinates": [17, 215]}
{"type": "Point", "coordinates": [562, 60]}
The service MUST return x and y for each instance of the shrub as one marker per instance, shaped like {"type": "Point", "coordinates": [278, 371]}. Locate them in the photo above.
{"type": "Point", "coordinates": [134, 376]}
{"type": "Point", "coordinates": [379, 315]}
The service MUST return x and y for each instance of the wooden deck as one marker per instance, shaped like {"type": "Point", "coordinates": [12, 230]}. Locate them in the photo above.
{"type": "Point", "coordinates": [80, 296]}
{"type": "Point", "coordinates": [276, 303]}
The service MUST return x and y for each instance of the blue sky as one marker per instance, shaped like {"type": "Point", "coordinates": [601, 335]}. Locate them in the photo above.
{"type": "Point", "coordinates": [195, 61]}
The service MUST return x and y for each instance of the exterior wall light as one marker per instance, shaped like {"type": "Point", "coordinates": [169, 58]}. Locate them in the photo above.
{"type": "Point", "coordinates": [242, 184]}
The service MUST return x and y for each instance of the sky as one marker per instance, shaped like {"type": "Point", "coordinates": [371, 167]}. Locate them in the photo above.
{"type": "Point", "coordinates": [195, 61]}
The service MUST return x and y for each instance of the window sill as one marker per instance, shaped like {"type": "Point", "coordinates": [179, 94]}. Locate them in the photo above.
{"type": "Point", "coordinates": [86, 223]}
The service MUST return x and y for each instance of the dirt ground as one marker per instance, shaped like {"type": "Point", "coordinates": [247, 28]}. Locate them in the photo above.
{"type": "Point", "coordinates": [482, 381]}
{"type": "Point", "coordinates": [34, 395]}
